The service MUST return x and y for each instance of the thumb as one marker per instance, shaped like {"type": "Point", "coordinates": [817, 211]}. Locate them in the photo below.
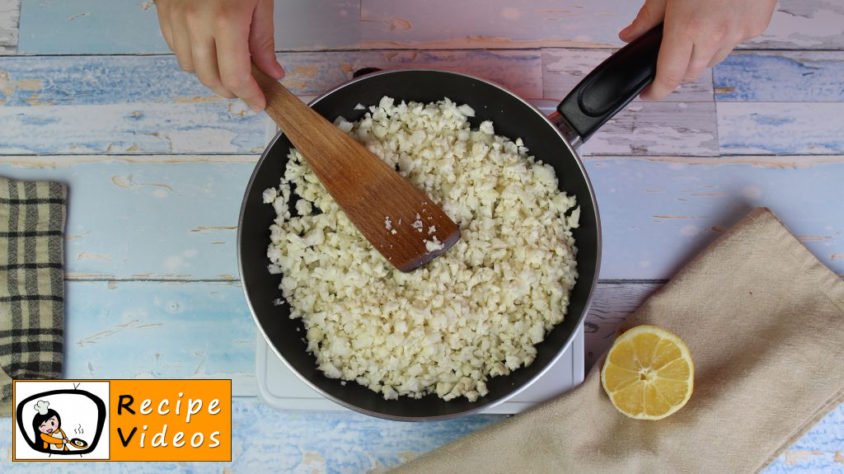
{"type": "Point", "coordinates": [651, 14]}
{"type": "Point", "coordinates": [261, 41]}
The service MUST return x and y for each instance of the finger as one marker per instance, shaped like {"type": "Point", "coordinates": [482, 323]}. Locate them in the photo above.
{"type": "Point", "coordinates": [164, 25]}
{"type": "Point", "coordinates": [181, 45]}
{"type": "Point", "coordinates": [650, 15]}
{"type": "Point", "coordinates": [235, 64]}
{"type": "Point", "coordinates": [261, 41]}
{"type": "Point", "coordinates": [675, 52]}
{"type": "Point", "coordinates": [205, 63]}
{"type": "Point", "coordinates": [719, 56]}
{"type": "Point", "coordinates": [701, 56]}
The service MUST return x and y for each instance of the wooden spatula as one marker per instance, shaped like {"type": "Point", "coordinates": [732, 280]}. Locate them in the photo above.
{"type": "Point", "coordinates": [399, 220]}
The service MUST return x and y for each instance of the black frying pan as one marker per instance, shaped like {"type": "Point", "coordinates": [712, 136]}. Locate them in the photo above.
{"type": "Point", "coordinates": [597, 98]}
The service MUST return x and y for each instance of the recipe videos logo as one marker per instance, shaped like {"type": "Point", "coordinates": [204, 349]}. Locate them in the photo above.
{"type": "Point", "coordinates": [121, 420]}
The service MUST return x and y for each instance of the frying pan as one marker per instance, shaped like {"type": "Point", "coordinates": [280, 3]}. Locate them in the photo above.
{"type": "Point", "coordinates": [78, 443]}
{"type": "Point", "coordinates": [601, 94]}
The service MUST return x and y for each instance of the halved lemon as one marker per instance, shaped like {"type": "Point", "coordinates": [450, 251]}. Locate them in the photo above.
{"type": "Point", "coordinates": [648, 373]}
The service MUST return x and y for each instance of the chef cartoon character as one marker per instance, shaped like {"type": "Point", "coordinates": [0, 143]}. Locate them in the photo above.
{"type": "Point", "coordinates": [48, 423]}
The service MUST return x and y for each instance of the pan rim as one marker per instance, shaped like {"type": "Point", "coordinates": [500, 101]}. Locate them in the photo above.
{"type": "Point", "coordinates": [480, 405]}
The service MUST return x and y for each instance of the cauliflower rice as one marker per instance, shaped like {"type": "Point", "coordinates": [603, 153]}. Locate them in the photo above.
{"type": "Point", "coordinates": [475, 312]}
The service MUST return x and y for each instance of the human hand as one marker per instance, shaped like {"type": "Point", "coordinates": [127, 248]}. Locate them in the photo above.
{"type": "Point", "coordinates": [696, 35]}
{"type": "Point", "coordinates": [218, 40]}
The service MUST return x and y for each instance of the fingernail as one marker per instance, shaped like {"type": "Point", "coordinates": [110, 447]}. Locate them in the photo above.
{"type": "Point", "coordinates": [256, 108]}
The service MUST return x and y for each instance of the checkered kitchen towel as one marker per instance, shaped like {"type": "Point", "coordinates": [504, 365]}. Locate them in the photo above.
{"type": "Point", "coordinates": [32, 218]}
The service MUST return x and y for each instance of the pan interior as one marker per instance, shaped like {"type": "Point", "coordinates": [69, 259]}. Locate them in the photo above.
{"type": "Point", "coordinates": [512, 118]}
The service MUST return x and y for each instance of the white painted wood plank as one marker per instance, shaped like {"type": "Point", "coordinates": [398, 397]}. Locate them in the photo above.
{"type": "Point", "coordinates": [781, 128]}
{"type": "Point", "coordinates": [145, 329]}
{"type": "Point", "coordinates": [781, 76]}
{"type": "Point", "coordinates": [562, 69]}
{"type": "Point", "coordinates": [175, 217]}
{"type": "Point", "coordinates": [9, 14]}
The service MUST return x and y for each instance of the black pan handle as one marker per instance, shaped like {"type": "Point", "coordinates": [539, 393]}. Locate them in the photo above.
{"type": "Point", "coordinates": [609, 87]}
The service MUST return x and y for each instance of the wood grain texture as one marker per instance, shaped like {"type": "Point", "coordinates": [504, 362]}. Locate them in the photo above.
{"type": "Point", "coordinates": [144, 329]}
{"type": "Point", "coordinates": [781, 76]}
{"type": "Point", "coordinates": [130, 26]}
{"type": "Point", "coordinates": [175, 217]}
{"type": "Point", "coordinates": [658, 212]}
{"type": "Point", "coordinates": [804, 24]}
{"type": "Point", "coordinates": [147, 217]}
{"type": "Point", "coordinates": [9, 14]}
{"type": "Point", "coordinates": [780, 128]}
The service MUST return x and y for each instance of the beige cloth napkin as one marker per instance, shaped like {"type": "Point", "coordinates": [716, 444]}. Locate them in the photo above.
{"type": "Point", "coordinates": [765, 324]}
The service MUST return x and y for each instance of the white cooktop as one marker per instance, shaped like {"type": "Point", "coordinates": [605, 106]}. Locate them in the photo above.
{"type": "Point", "coordinates": [282, 389]}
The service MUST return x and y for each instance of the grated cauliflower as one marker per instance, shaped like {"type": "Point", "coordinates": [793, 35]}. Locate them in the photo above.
{"type": "Point", "coordinates": [474, 313]}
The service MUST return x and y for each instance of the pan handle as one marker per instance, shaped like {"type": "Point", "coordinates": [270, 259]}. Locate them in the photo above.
{"type": "Point", "coordinates": [608, 88]}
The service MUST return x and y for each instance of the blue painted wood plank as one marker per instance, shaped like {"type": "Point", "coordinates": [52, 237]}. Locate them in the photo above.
{"type": "Point", "coordinates": [265, 440]}
{"type": "Point", "coordinates": [118, 105]}
{"type": "Point", "coordinates": [175, 217]}
{"type": "Point", "coordinates": [100, 80]}
{"type": "Point", "coordinates": [147, 217]}
{"type": "Point", "coordinates": [96, 80]}
{"type": "Point", "coordinates": [780, 128]}
{"type": "Point", "coordinates": [145, 104]}
{"type": "Point", "coordinates": [89, 26]}
{"type": "Point", "coordinates": [133, 128]}
{"type": "Point", "coordinates": [783, 76]}
{"type": "Point", "coordinates": [148, 329]}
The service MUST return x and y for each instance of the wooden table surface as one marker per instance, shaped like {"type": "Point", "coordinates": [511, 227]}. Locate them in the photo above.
{"type": "Point", "coordinates": [157, 165]}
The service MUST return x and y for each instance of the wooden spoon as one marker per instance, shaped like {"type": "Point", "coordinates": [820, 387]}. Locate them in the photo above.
{"type": "Point", "coordinates": [398, 219]}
